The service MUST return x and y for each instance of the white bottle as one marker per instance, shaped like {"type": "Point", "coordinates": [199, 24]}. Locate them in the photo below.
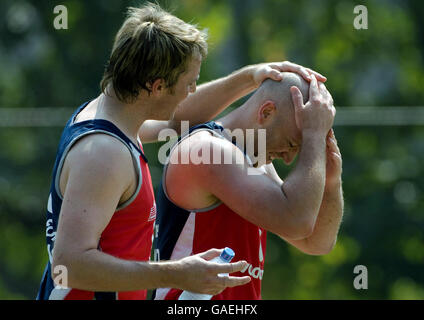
{"type": "Point", "coordinates": [225, 257]}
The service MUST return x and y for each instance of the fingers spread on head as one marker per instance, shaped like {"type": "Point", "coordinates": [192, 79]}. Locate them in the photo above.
{"type": "Point", "coordinates": [330, 98]}
{"type": "Point", "coordinates": [331, 144]}
{"type": "Point", "coordinates": [325, 93]}
{"type": "Point", "coordinates": [313, 88]}
{"type": "Point", "coordinates": [276, 75]}
{"type": "Point", "coordinates": [302, 71]}
{"type": "Point", "coordinates": [293, 67]}
{"type": "Point", "coordinates": [322, 88]}
{"type": "Point", "coordinates": [333, 135]}
{"type": "Point", "coordinates": [319, 76]}
{"type": "Point", "coordinates": [297, 97]}
{"type": "Point", "coordinates": [333, 147]}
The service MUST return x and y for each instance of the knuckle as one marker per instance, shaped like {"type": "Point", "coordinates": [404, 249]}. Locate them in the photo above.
{"type": "Point", "coordinates": [315, 100]}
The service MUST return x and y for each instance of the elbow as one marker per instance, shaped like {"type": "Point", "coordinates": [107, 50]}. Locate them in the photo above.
{"type": "Point", "coordinates": [329, 248]}
{"type": "Point", "coordinates": [320, 249]}
{"type": "Point", "coordinates": [299, 222]}
{"type": "Point", "coordinates": [58, 260]}
{"type": "Point", "coordinates": [297, 230]}
{"type": "Point", "coordinates": [303, 230]}
{"type": "Point", "coordinates": [62, 263]}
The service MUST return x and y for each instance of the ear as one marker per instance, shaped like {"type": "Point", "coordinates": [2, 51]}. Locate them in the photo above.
{"type": "Point", "coordinates": [157, 87]}
{"type": "Point", "coordinates": [266, 111]}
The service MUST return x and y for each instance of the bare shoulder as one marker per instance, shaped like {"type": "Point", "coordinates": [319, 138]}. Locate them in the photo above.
{"type": "Point", "coordinates": [191, 169]}
{"type": "Point", "coordinates": [97, 157]}
{"type": "Point", "coordinates": [205, 142]}
{"type": "Point", "coordinates": [95, 176]}
{"type": "Point", "coordinates": [99, 149]}
{"type": "Point", "coordinates": [199, 157]}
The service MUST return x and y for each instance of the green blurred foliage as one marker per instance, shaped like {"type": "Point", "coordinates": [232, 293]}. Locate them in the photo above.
{"type": "Point", "coordinates": [383, 167]}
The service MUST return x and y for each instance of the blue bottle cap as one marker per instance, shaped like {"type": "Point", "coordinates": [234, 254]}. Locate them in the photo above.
{"type": "Point", "coordinates": [227, 254]}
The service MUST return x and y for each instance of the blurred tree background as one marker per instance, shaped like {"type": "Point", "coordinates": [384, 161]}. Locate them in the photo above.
{"type": "Point", "coordinates": [383, 225]}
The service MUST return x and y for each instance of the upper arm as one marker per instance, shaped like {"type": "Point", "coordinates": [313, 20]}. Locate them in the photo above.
{"type": "Point", "coordinates": [272, 173]}
{"type": "Point", "coordinates": [98, 175]}
{"type": "Point", "coordinates": [247, 191]}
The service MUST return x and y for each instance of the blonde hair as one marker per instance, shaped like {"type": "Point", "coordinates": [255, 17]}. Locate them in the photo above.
{"type": "Point", "coordinates": [151, 44]}
{"type": "Point", "coordinates": [279, 91]}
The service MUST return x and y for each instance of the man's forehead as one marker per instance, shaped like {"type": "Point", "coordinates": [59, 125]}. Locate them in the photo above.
{"type": "Point", "coordinates": [195, 65]}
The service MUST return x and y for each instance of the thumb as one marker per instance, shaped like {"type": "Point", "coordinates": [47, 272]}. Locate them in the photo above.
{"type": "Point", "coordinates": [210, 254]}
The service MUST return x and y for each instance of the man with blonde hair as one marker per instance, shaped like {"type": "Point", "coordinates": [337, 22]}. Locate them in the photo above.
{"type": "Point", "coordinates": [101, 208]}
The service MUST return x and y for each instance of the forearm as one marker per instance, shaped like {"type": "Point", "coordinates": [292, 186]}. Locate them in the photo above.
{"type": "Point", "coordinates": [324, 236]}
{"type": "Point", "coordinates": [97, 271]}
{"type": "Point", "coordinates": [304, 187]}
{"type": "Point", "coordinates": [209, 100]}
{"type": "Point", "coordinates": [213, 97]}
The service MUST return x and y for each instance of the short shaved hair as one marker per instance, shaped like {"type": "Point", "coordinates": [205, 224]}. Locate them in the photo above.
{"type": "Point", "coordinates": [279, 91]}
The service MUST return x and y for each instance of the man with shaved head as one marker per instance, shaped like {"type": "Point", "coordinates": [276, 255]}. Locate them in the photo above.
{"type": "Point", "coordinates": [214, 204]}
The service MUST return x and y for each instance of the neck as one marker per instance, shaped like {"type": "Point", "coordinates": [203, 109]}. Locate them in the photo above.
{"type": "Point", "coordinates": [128, 117]}
{"type": "Point", "coordinates": [241, 119]}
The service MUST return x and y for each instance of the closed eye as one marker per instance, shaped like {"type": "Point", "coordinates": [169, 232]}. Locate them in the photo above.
{"type": "Point", "coordinates": [292, 146]}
